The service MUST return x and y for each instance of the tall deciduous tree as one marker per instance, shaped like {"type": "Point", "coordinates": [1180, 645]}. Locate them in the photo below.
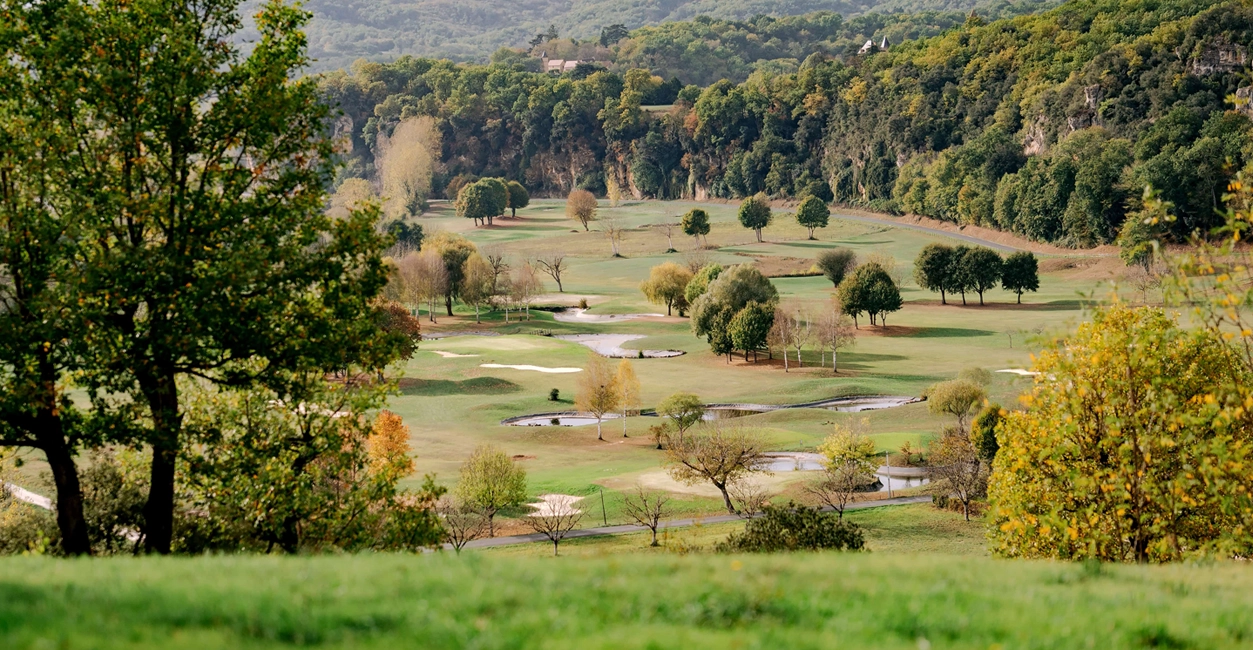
{"type": "Point", "coordinates": [932, 269]}
{"type": "Point", "coordinates": [836, 263]}
{"type": "Point", "coordinates": [518, 197]}
{"type": "Point", "coordinates": [958, 398]}
{"type": "Point", "coordinates": [983, 267]}
{"type": "Point", "coordinates": [847, 469]}
{"type": "Point", "coordinates": [628, 391]}
{"type": "Point", "coordinates": [477, 283]}
{"type": "Point", "coordinates": [683, 410]}
{"type": "Point", "coordinates": [755, 214]}
{"type": "Point", "coordinates": [1130, 448]}
{"type": "Point", "coordinates": [813, 213]}
{"type": "Point", "coordinates": [696, 224]}
{"type": "Point", "coordinates": [598, 392]}
{"type": "Point", "coordinates": [581, 206]}
{"type": "Point", "coordinates": [750, 327]}
{"type": "Point", "coordinates": [554, 264]}
{"type": "Point", "coordinates": [490, 480]}
{"type": "Point", "coordinates": [405, 163]}
{"type": "Point", "coordinates": [667, 285]}
{"type": "Point", "coordinates": [199, 173]}
{"type": "Point", "coordinates": [454, 250]}
{"type": "Point", "coordinates": [1020, 273]}
{"type": "Point", "coordinates": [39, 236]}
{"type": "Point", "coordinates": [719, 454]}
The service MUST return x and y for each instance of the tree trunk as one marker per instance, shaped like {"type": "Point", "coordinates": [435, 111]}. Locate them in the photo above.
{"type": "Point", "coordinates": [162, 395]}
{"type": "Point", "coordinates": [448, 303]}
{"type": "Point", "coordinates": [726, 498]}
{"type": "Point", "coordinates": [598, 433]}
{"type": "Point", "coordinates": [476, 314]}
{"type": "Point", "coordinates": [980, 298]}
{"type": "Point", "coordinates": [624, 418]}
{"type": "Point", "coordinates": [943, 300]}
{"type": "Point", "coordinates": [785, 366]}
{"type": "Point", "coordinates": [1020, 297]}
{"type": "Point", "coordinates": [758, 231]}
{"type": "Point", "coordinates": [654, 536]}
{"type": "Point", "coordinates": [69, 506]}
{"type": "Point", "coordinates": [963, 299]}
{"type": "Point", "coordinates": [799, 363]}
{"type": "Point", "coordinates": [834, 368]}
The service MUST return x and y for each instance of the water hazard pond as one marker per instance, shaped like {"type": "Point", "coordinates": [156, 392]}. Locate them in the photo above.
{"type": "Point", "coordinates": [800, 461]}
{"type": "Point", "coordinates": [720, 411]}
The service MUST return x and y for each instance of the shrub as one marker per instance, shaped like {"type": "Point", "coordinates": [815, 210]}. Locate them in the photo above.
{"type": "Point", "coordinates": [554, 395]}
{"type": "Point", "coordinates": [794, 528]}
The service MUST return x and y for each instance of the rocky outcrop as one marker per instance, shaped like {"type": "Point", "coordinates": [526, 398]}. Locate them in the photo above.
{"type": "Point", "coordinates": [1035, 137]}
{"type": "Point", "coordinates": [1244, 100]}
{"type": "Point", "coordinates": [1218, 55]}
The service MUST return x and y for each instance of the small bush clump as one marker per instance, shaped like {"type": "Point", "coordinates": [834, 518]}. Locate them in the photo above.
{"type": "Point", "coordinates": [792, 527]}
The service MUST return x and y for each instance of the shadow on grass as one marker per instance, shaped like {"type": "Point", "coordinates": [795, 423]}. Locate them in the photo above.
{"type": "Point", "coordinates": [475, 386]}
{"type": "Point", "coordinates": [946, 333]}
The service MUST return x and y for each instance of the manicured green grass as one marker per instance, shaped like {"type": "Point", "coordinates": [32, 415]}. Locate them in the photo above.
{"type": "Point", "coordinates": [909, 529]}
{"type": "Point", "coordinates": [455, 404]}
{"type": "Point", "coordinates": [830, 600]}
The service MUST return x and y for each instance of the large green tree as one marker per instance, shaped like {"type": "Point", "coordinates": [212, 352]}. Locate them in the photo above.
{"type": "Point", "coordinates": [813, 213]}
{"type": "Point", "coordinates": [39, 241]}
{"type": "Point", "coordinates": [932, 268]}
{"type": "Point", "coordinates": [983, 266]}
{"type": "Point", "coordinates": [199, 176]}
{"type": "Point", "coordinates": [755, 214]}
{"type": "Point", "coordinates": [1020, 273]}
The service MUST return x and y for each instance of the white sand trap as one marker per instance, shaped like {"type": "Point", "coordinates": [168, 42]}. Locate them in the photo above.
{"type": "Point", "coordinates": [610, 345]}
{"type": "Point", "coordinates": [1023, 372]}
{"type": "Point", "coordinates": [556, 371]}
{"type": "Point", "coordinates": [581, 316]}
{"type": "Point", "coordinates": [555, 505]}
{"type": "Point", "coordinates": [452, 355]}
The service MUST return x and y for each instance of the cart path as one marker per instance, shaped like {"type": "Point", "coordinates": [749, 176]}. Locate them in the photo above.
{"type": "Point", "coordinates": [674, 523]}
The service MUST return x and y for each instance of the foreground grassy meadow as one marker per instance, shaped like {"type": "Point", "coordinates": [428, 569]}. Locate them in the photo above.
{"type": "Point", "coordinates": [451, 403]}
{"type": "Point", "coordinates": [879, 601]}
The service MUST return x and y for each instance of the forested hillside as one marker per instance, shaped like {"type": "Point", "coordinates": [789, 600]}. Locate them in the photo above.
{"type": "Point", "coordinates": [1047, 125]}
{"type": "Point", "coordinates": [470, 30]}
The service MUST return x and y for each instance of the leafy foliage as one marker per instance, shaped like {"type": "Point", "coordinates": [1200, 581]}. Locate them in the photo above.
{"type": "Point", "coordinates": [1125, 452]}
{"type": "Point", "coordinates": [793, 527]}
{"type": "Point", "coordinates": [835, 264]}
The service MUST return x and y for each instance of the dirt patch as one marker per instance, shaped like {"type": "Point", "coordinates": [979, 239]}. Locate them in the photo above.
{"type": "Point", "coordinates": [523, 457]}
{"type": "Point", "coordinates": [889, 330]}
{"type": "Point", "coordinates": [777, 266]}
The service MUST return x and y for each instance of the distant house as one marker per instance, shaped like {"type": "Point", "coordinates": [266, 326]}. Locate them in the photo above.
{"type": "Point", "coordinates": [561, 66]}
{"type": "Point", "coordinates": [870, 46]}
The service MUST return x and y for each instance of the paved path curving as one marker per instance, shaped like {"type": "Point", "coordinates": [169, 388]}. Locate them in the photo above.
{"type": "Point", "coordinates": [674, 523]}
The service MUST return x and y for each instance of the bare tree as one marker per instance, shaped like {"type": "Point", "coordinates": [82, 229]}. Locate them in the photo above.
{"type": "Point", "coordinates": [668, 229]}
{"type": "Point", "coordinates": [524, 285]}
{"type": "Point", "coordinates": [1145, 278]}
{"type": "Point", "coordinates": [494, 255]}
{"type": "Point", "coordinates": [647, 508]}
{"type": "Point", "coordinates": [834, 330]}
{"type": "Point", "coordinates": [801, 330]}
{"type": "Point", "coordinates": [462, 523]}
{"type": "Point", "coordinates": [421, 278]}
{"type": "Point", "coordinates": [956, 470]}
{"type": "Point", "coordinates": [750, 495]}
{"type": "Point", "coordinates": [781, 333]}
{"type": "Point", "coordinates": [554, 517]}
{"type": "Point", "coordinates": [848, 466]}
{"type": "Point", "coordinates": [554, 264]}
{"type": "Point", "coordinates": [837, 486]}
{"type": "Point", "coordinates": [614, 229]}
{"type": "Point", "coordinates": [720, 453]}
{"type": "Point", "coordinates": [696, 259]}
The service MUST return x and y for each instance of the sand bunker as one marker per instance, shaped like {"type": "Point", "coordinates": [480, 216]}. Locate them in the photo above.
{"type": "Point", "coordinates": [452, 355]}
{"type": "Point", "coordinates": [581, 316]}
{"type": "Point", "coordinates": [557, 371]}
{"type": "Point", "coordinates": [563, 419]}
{"type": "Point", "coordinates": [1020, 371]}
{"type": "Point", "coordinates": [555, 505]}
{"type": "Point", "coordinates": [610, 345]}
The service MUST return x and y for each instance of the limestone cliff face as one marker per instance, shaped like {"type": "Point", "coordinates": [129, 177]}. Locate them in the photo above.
{"type": "Point", "coordinates": [1218, 55]}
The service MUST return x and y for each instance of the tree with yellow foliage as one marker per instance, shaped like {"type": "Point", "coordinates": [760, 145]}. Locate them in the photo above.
{"type": "Point", "coordinates": [628, 391]}
{"type": "Point", "coordinates": [597, 390]}
{"type": "Point", "coordinates": [1135, 446]}
{"type": "Point", "coordinates": [388, 444]}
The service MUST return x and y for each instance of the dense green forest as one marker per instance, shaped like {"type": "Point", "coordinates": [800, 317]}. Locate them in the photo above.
{"type": "Point", "coordinates": [470, 30]}
{"type": "Point", "coordinates": [1047, 125]}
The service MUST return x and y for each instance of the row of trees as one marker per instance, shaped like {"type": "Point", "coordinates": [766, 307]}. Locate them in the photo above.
{"type": "Point", "coordinates": [949, 269]}
{"type": "Point", "coordinates": [875, 130]}
{"type": "Point", "coordinates": [488, 198]}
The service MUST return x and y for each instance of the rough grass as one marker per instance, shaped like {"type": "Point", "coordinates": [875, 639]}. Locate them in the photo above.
{"type": "Point", "coordinates": [873, 600]}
